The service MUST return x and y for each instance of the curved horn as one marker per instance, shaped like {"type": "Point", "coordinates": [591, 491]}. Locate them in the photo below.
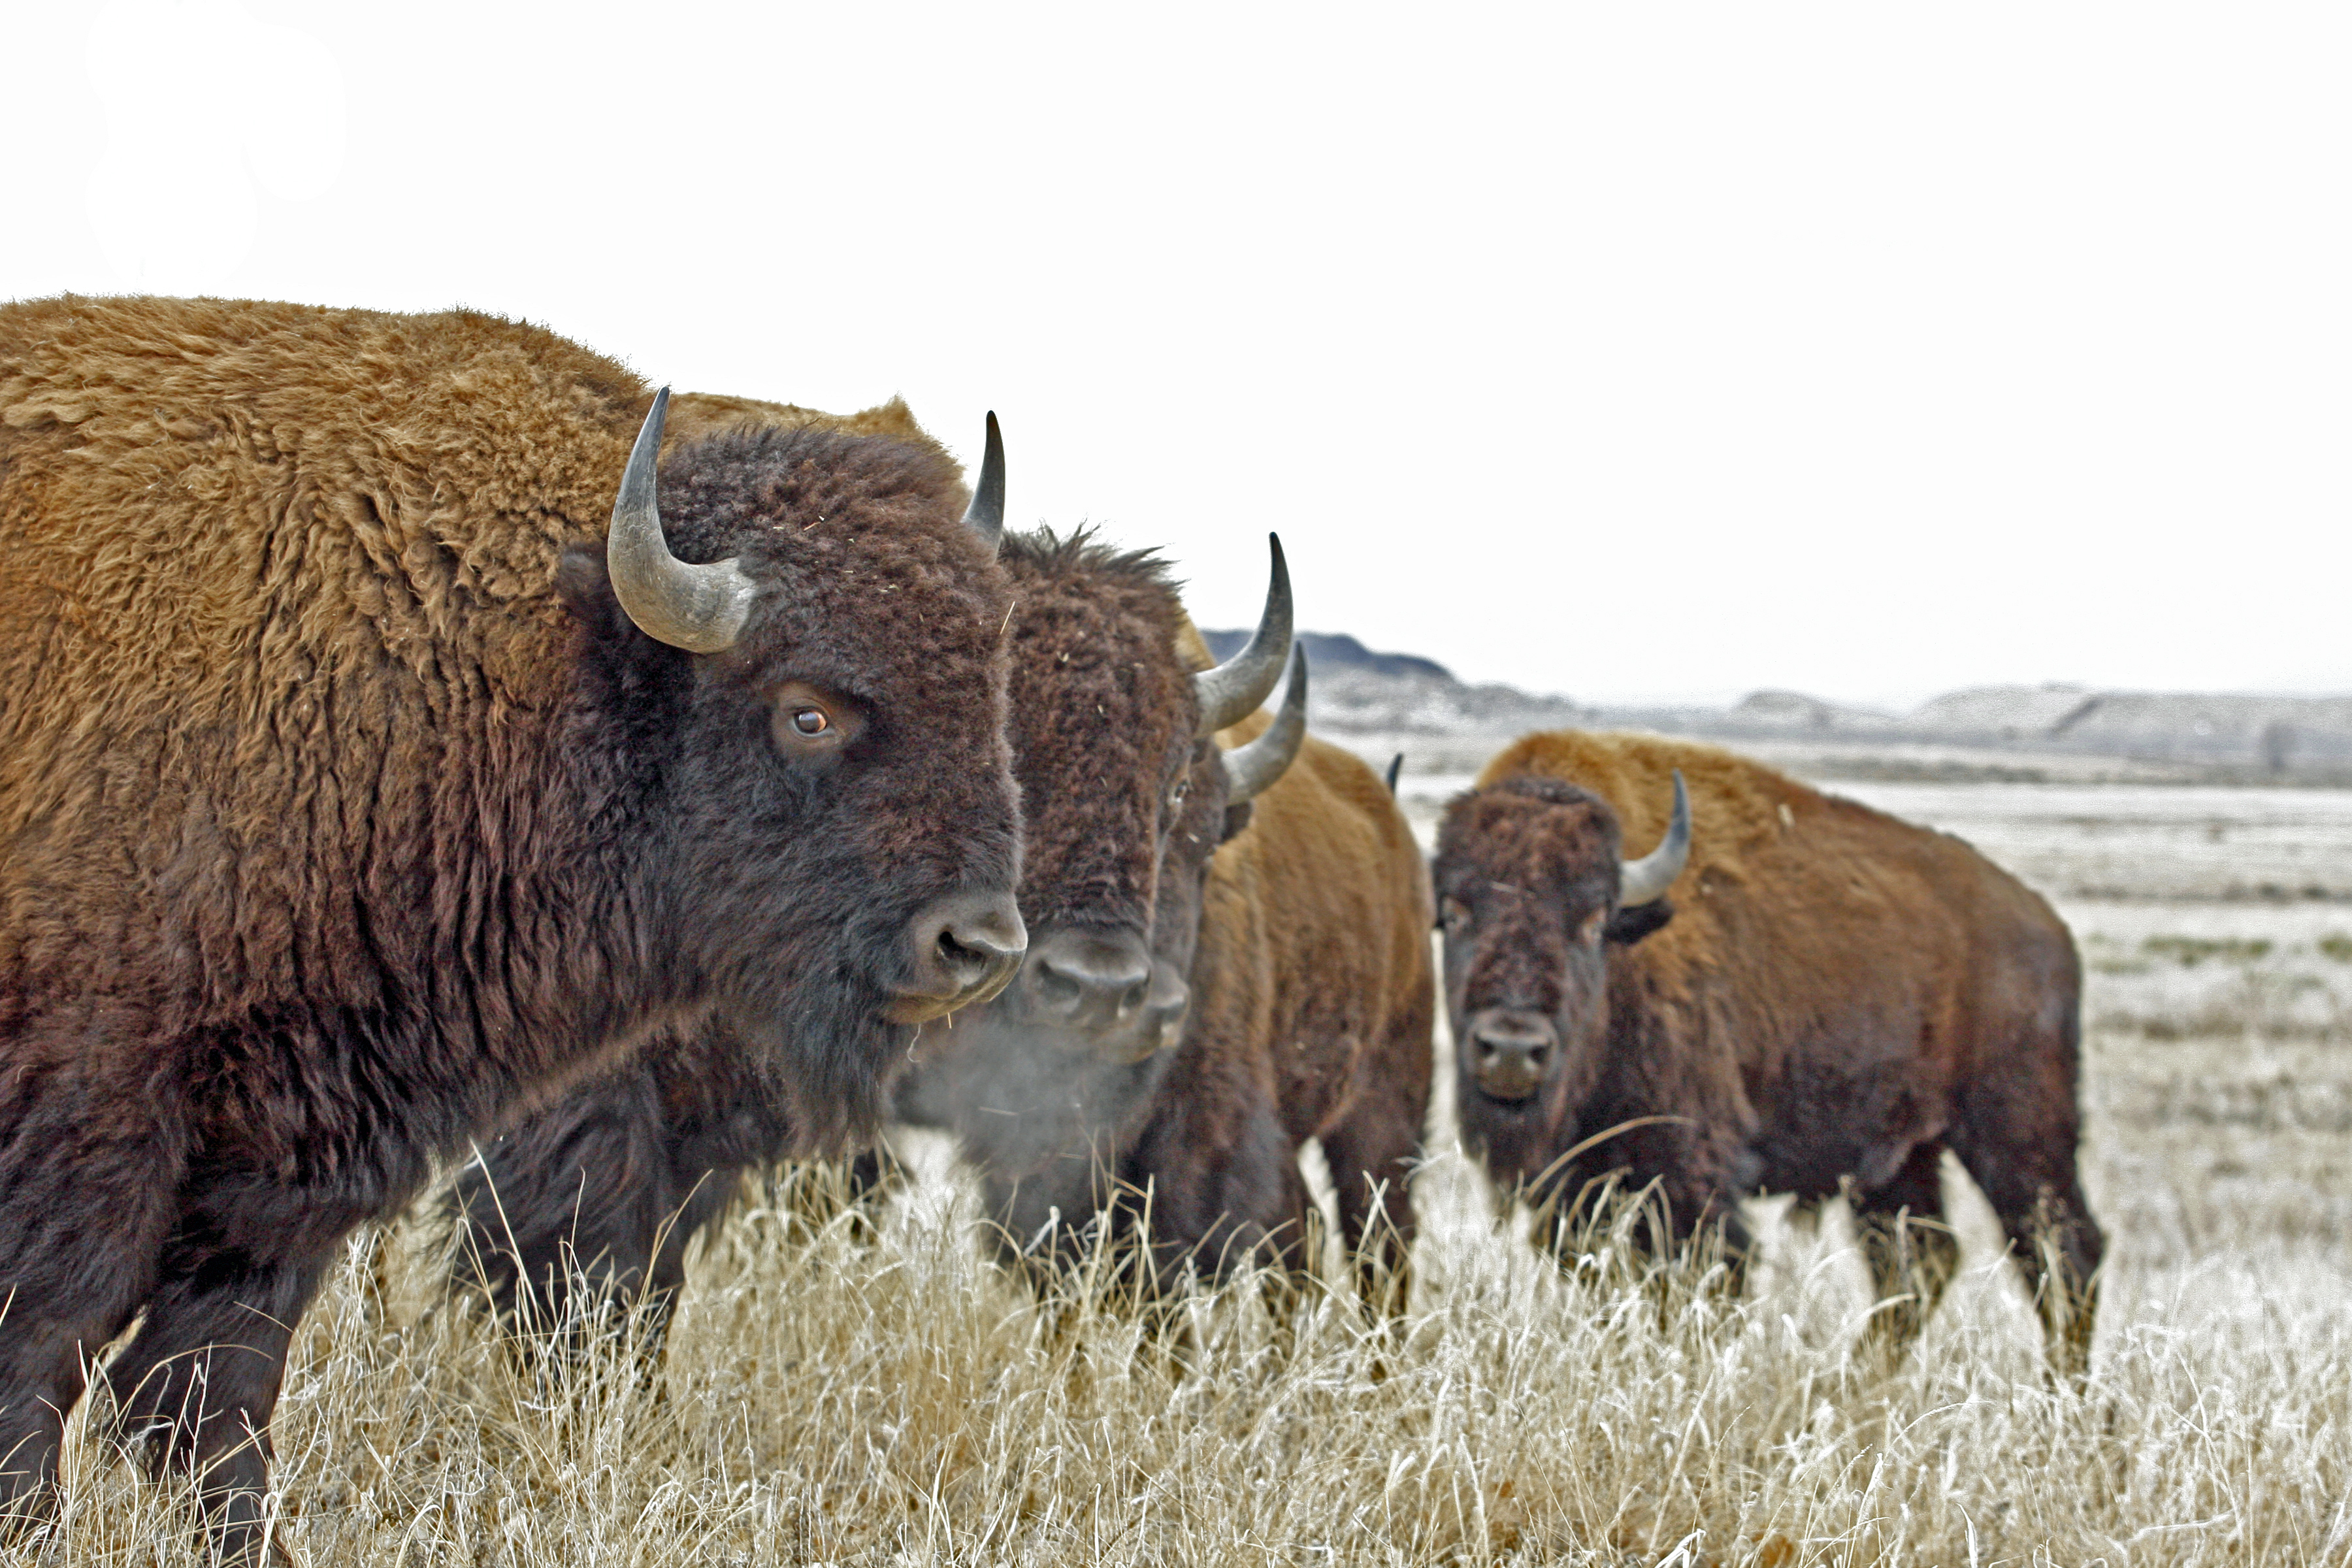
{"type": "Point", "coordinates": [985, 516]}
{"type": "Point", "coordinates": [698, 609]}
{"type": "Point", "coordinates": [1231, 691]}
{"type": "Point", "coordinates": [1396, 766]}
{"type": "Point", "coordinates": [1252, 767]}
{"type": "Point", "coordinates": [1640, 882]}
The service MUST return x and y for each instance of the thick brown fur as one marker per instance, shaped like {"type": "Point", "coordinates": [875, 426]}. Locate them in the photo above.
{"type": "Point", "coordinates": [342, 810]}
{"type": "Point", "coordinates": [1311, 1002]}
{"type": "Point", "coordinates": [1833, 998]}
{"type": "Point", "coordinates": [699, 415]}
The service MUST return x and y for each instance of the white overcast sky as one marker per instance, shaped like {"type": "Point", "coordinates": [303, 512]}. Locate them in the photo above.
{"type": "Point", "coordinates": [1629, 352]}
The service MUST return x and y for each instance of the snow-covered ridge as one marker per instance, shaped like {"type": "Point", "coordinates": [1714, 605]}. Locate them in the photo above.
{"type": "Point", "coordinates": [1376, 702]}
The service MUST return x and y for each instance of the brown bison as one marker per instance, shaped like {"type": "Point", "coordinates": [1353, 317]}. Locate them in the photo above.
{"type": "Point", "coordinates": [1832, 999]}
{"type": "Point", "coordinates": [1312, 1002]}
{"type": "Point", "coordinates": [357, 784]}
{"type": "Point", "coordinates": [1180, 1024]}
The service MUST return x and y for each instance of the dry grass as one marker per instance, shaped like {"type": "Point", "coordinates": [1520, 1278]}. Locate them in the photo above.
{"type": "Point", "coordinates": [893, 1399]}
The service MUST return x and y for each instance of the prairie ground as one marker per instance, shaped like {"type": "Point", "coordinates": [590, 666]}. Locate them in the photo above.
{"type": "Point", "coordinates": [889, 1397]}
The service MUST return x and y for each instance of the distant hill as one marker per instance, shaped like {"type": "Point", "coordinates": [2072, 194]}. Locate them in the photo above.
{"type": "Point", "coordinates": [1335, 650]}
{"type": "Point", "coordinates": [1382, 702]}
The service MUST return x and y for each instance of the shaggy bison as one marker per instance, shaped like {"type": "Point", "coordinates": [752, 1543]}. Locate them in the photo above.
{"type": "Point", "coordinates": [1312, 1002]}
{"type": "Point", "coordinates": [1832, 998]}
{"type": "Point", "coordinates": [358, 784]}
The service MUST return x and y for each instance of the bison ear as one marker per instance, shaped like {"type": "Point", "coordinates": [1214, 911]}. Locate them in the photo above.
{"type": "Point", "coordinates": [1237, 816]}
{"type": "Point", "coordinates": [585, 587]}
{"type": "Point", "coordinates": [1629, 926]}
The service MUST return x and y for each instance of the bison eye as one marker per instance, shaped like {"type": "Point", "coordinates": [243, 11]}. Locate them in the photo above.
{"type": "Point", "coordinates": [811, 723]}
{"type": "Point", "coordinates": [1177, 792]}
{"type": "Point", "coordinates": [1588, 933]}
{"type": "Point", "coordinates": [1455, 913]}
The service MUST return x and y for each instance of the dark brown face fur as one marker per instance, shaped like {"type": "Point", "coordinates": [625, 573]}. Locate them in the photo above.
{"type": "Point", "coordinates": [1526, 875]}
{"type": "Point", "coordinates": [844, 765]}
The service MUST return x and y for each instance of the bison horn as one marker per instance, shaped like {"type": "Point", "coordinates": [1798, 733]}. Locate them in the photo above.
{"type": "Point", "coordinates": [1252, 767]}
{"type": "Point", "coordinates": [1231, 691]}
{"type": "Point", "coordinates": [985, 516]}
{"type": "Point", "coordinates": [698, 609]}
{"type": "Point", "coordinates": [1640, 882]}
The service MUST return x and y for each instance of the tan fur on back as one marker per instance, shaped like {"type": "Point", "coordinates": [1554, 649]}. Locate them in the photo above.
{"type": "Point", "coordinates": [1737, 805]}
{"type": "Point", "coordinates": [183, 524]}
{"type": "Point", "coordinates": [695, 415]}
{"type": "Point", "coordinates": [1794, 902]}
{"type": "Point", "coordinates": [259, 543]}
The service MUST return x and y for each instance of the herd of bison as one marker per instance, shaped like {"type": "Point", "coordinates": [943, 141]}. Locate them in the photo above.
{"type": "Point", "coordinates": [422, 746]}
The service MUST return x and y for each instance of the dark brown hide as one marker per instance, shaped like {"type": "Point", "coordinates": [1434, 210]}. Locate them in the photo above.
{"type": "Point", "coordinates": [342, 809]}
{"type": "Point", "coordinates": [1837, 997]}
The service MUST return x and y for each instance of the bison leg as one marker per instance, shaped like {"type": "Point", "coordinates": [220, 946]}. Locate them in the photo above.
{"type": "Point", "coordinates": [588, 1202]}
{"type": "Point", "coordinates": [1371, 1153]}
{"type": "Point", "coordinates": [548, 1211]}
{"type": "Point", "coordinates": [1371, 1161]}
{"type": "Point", "coordinates": [41, 1377]}
{"type": "Point", "coordinates": [1716, 1238]}
{"type": "Point", "coordinates": [200, 1378]}
{"type": "Point", "coordinates": [2020, 1148]}
{"type": "Point", "coordinates": [1911, 1252]}
{"type": "Point", "coordinates": [85, 1200]}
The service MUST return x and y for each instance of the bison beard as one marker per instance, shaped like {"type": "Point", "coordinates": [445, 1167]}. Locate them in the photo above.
{"type": "Point", "coordinates": [344, 812]}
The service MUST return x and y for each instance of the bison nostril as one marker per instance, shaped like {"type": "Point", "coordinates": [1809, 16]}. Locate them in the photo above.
{"type": "Point", "coordinates": [966, 963]}
{"type": "Point", "coordinates": [1054, 987]}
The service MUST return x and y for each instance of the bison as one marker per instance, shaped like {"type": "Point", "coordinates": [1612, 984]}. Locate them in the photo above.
{"type": "Point", "coordinates": [358, 785]}
{"type": "Point", "coordinates": [1832, 999]}
{"type": "Point", "coordinates": [1312, 1004]}
{"type": "Point", "coordinates": [1180, 1024]}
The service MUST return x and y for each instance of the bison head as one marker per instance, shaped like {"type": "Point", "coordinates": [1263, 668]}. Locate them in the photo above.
{"type": "Point", "coordinates": [792, 710]}
{"type": "Point", "coordinates": [1532, 891]}
{"type": "Point", "coordinates": [1127, 796]}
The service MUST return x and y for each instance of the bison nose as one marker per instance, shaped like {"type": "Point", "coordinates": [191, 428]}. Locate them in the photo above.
{"type": "Point", "coordinates": [962, 949]}
{"type": "Point", "coordinates": [1153, 1026]}
{"type": "Point", "coordinates": [1509, 1050]}
{"type": "Point", "coordinates": [1088, 981]}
